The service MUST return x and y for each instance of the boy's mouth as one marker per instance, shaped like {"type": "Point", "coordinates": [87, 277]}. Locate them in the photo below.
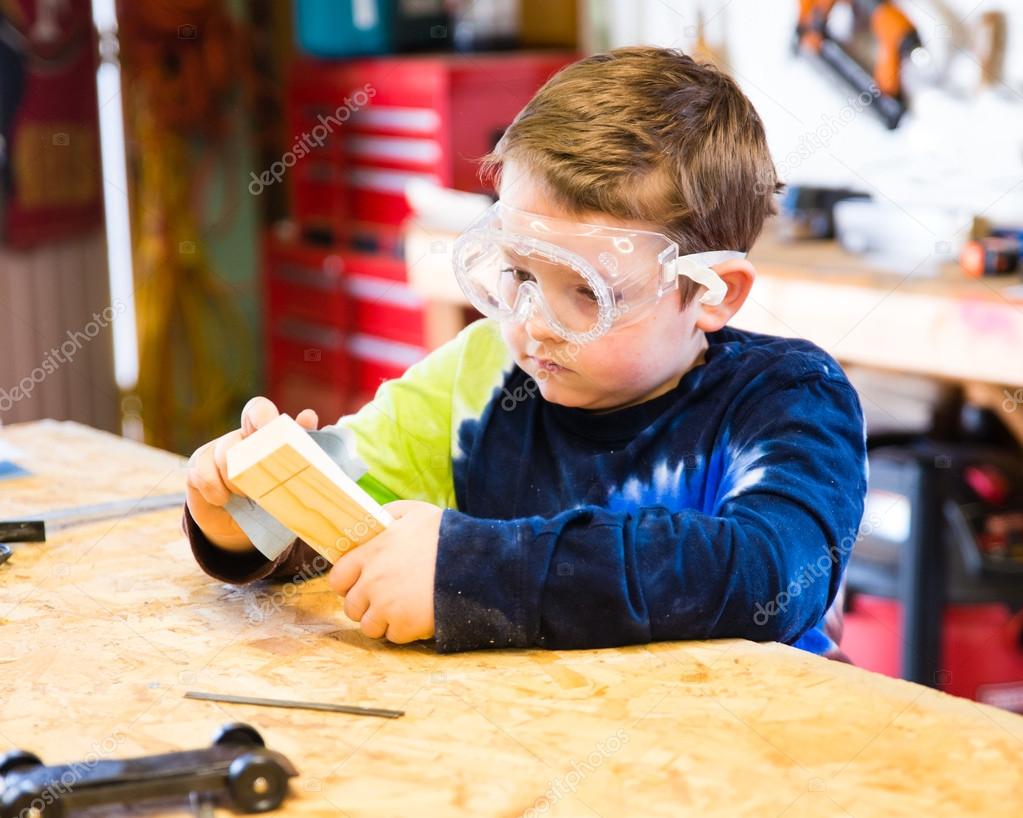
{"type": "Point", "coordinates": [547, 365]}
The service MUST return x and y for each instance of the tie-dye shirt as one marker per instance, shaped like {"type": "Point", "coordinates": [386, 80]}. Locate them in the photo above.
{"type": "Point", "coordinates": [726, 507]}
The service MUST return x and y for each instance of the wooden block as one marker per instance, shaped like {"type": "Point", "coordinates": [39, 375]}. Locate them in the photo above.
{"type": "Point", "coordinates": [283, 470]}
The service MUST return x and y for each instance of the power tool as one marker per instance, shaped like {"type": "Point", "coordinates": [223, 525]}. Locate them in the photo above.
{"type": "Point", "coordinates": [869, 55]}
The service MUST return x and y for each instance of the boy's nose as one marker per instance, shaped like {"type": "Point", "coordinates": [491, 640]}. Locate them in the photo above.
{"type": "Point", "coordinates": [538, 329]}
{"type": "Point", "coordinates": [529, 311]}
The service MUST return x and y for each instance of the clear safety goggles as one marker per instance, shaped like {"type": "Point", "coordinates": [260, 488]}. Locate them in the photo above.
{"type": "Point", "coordinates": [581, 278]}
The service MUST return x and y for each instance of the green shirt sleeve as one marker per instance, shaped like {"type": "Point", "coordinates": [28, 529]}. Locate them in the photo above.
{"type": "Point", "coordinates": [407, 435]}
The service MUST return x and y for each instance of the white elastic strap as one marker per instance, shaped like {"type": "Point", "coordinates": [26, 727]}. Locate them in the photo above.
{"type": "Point", "coordinates": [697, 266]}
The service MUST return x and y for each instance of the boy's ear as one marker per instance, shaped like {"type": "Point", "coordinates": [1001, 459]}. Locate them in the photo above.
{"type": "Point", "coordinates": [738, 274]}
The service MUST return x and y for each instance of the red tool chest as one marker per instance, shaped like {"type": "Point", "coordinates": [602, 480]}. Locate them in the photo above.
{"type": "Point", "coordinates": [424, 117]}
{"type": "Point", "coordinates": [381, 302]}
{"type": "Point", "coordinates": [308, 365]}
{"type": "Point", "coordinates": [319, 298]}
{"type": "Point", "coordinates": [341, 317]}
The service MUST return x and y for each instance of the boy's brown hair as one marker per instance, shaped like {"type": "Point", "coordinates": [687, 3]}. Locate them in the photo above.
{"type": "Point", "coordinates": [648, 134]}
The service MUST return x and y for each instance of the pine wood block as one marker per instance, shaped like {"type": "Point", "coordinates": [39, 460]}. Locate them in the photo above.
{"type": "Point", "coordinates": [283, 470]}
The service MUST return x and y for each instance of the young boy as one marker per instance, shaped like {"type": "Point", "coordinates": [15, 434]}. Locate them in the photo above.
{"type": "Point", "coordinates": [600, 462]}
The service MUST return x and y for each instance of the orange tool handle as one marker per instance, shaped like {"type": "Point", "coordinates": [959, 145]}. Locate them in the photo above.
{"type": "Point", "coordinates": [812, 16]}
{"type": "Point", "coordinates": [891, 27]}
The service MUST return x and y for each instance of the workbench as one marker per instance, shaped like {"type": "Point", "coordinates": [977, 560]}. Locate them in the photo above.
{"type": "Point", "coordinates": [104, 627]}
{"type": "Point", "coordinates": [911, 319]}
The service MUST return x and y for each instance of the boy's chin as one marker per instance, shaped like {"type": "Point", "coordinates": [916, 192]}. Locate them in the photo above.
{"type": "Point", "coordinates": [563, 395]}
{"type": "Point", "coordinates": [579, 399]}
{"type": "Point", "coordinates": [565, 389]}
{"type": "Point", "coordinates": [558, 393]}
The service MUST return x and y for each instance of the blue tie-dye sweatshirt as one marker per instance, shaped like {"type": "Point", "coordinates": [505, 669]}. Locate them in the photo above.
{"type": "Point", "coordinates": [725, 508]}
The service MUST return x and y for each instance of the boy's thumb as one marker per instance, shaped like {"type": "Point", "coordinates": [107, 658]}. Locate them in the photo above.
{"type": "Point", "coordinates": [308, 419]}
{"type": "Point", "coordinates": [258, 412]}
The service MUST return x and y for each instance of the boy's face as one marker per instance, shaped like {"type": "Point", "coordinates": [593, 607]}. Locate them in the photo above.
{"type": "Point", "coordinates": [629, 364]}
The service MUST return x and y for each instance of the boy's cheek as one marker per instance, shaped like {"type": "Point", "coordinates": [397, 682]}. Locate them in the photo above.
{"type": "Point", "coordinates": [514, 337]}
{"type": "Point", "coordinates": [509, 331]}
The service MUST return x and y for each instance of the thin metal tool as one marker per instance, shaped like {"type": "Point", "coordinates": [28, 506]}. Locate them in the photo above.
{"type": "Point", "coordinates": [36, 528]}
{"type": "Point", "coordinates": [61, 518]}
{"type": "Point", "coordinates": [333, 708]}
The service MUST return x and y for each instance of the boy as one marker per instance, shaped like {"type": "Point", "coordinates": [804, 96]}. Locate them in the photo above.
{"type": "Point", "coordinates": [601, 461]}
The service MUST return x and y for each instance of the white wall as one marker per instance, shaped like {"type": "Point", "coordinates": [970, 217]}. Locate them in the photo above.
{"type": "Point", "coordinates": [961, 153]}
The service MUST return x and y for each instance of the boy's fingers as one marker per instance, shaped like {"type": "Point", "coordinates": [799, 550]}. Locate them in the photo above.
{"type": "Point", "coordinates": [356, 603]}
{"type": "Point", "coordinates": [204, 477]}
{"type": "Point", "coordinates": [346, 572]}
{"type": "Point", "coordinates": [207, 492]}
{"type": "Point", "coordinates": [401, 636]}
{"type": "Point", "coordinates": [308, 419]}
{"type": "Point", "coordinates": [258, 412]}
{"type": "Point", "coordinates": [221, 445]}
{"type": "Point", "coordinates": [399, 508]}
{"type": "Point", "coordinates": [373, 626]}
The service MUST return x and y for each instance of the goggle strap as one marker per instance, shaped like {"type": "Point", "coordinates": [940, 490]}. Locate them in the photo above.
{"type": "Point", "coordinates": [697, 266]}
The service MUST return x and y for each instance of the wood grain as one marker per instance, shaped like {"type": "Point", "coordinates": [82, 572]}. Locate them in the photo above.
{"type": "Point", "coordinates": [289, 476]}
{"type": "Point", "coordinates": [104, 628]}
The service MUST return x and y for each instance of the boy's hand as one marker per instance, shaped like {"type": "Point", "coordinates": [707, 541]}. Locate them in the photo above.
{"type": "Point", "coordinates": [388, 582]}
{"type": "Point", "coordinates": [208, 488]}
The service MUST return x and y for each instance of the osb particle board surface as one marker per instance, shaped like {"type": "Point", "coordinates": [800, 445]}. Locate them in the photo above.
{"type": "Point", "coordinates": [103, 629]}
{"type": "Point", "coordinates": [74, 465]}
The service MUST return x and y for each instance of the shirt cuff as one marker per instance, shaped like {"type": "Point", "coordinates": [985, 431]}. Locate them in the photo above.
{"type": "Point", "coordinates": [480, 596]}
{"type": "Point", "coordinates": [236, 567]}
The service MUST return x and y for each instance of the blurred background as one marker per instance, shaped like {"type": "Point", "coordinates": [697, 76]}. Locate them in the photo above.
{"type": "Point", "coordinates": [203, 200]}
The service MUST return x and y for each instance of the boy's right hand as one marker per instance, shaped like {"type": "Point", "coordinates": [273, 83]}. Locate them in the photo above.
{"type": "Point", "coordinates": [207, 486]}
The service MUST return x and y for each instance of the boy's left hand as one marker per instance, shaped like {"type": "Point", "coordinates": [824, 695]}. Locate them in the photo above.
{"type": "Point", "coordinates": [388, 582]}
